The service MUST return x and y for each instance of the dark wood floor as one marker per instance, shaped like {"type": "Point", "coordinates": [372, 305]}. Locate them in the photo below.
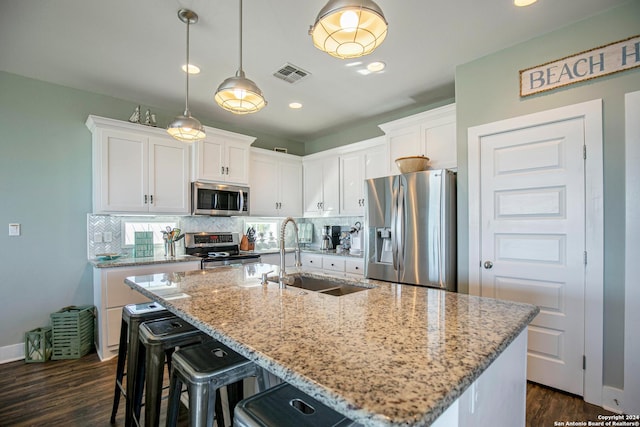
{"type": "Point", "coordinates": [80, 393]}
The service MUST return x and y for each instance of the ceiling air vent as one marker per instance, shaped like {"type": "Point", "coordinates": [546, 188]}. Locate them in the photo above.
{"type": "Point", "coordinates": [291, 73]}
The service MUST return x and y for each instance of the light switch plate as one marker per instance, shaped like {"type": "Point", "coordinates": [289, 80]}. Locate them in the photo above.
{"type": "Point", "coordinates": [107, 236]}
{"type": "Point", "coordinates": [14, 229]}
{"type": "Point", "coordinates": [97, 237]}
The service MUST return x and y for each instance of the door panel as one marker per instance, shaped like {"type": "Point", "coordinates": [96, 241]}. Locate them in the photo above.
{"type": "Point", "coordinates": [533, 232]}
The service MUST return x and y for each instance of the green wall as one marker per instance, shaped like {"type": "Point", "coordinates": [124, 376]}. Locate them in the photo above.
{"type": "Point", "coordinates": [487, 90]}
{"type": "Point", "coordinates": [45, 185]}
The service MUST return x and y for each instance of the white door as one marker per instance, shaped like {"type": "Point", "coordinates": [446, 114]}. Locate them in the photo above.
{"type": "Point", "coordinates": [352, 184]}
{"type": "Point", "coordinates": [264, 179]}
{"type": "Point", "coordinates": [237, 161]}
{"type": "Point", "coordinates": [533, 240]}
{"type": "Point", "coordinates": [124, 180]}
{"type": "Point", "coordinates": [210, 159]}
{"type": "Point", "coordinates": [290, 188]}
{"type": "Point", "coordinates": [168, 176]}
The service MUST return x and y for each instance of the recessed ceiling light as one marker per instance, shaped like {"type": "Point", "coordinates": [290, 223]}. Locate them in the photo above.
{"type": "Point", "coordinates": [376, 67]}
{"type": "Point", "coordinates": [193, 69]}
{"type": "Point", "coordinates": [295, 105]}
{"type": "Point", "coordinates": [353, 64]}
{"type": "Point", "coordinates": [523, 3]}
{"type": "Point", "coordinates": [364, 71]}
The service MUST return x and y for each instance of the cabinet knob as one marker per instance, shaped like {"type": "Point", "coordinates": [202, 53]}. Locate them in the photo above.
{"type": "Point", "coordinates": [151, 199]}
{"type": "Point", "coordinates": [222, 170]}
{"type": "Point", "coordinates": [310, 261]}
{"type": "Point", "coordinates": [357, 268]}
{"type": "Point", "coordinates": [227, 169]}
{"type": "Point", "coordinates": [145, 199]}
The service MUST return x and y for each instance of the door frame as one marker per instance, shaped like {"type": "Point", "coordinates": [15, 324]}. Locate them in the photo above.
{"type": "Point", "coordinates": [631, 402]}
{"type": "Point", "coordinates": [591, 112]}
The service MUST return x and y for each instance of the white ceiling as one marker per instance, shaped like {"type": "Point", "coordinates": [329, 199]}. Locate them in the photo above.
{"type": "Point", "coordinates": [133, 50]}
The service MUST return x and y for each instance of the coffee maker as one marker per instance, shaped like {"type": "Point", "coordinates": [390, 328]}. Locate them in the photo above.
{"type": "Point", "coordinates": [330, 237]}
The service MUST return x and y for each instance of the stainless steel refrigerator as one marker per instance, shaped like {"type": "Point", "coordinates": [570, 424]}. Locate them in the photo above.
{"type": "Point", "coordinates": [411, 229]}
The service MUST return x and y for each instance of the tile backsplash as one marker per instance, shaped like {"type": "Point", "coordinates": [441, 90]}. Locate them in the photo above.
{"type": "Point", "coordinates": [99, 227]}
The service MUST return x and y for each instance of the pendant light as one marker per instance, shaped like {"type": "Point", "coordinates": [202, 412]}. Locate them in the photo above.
{"type": "Point", "coordinates": [238, 94]}
{"type": "Point", "coordinates": [349, 28]}
{"type": "Point", "coordinates": [184, 127]}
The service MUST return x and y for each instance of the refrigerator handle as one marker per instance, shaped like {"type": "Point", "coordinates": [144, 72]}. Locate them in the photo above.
{"type": "Point", "coordinates": [394, 222]}
{"type": "Point", "coordinates": [399, 237]}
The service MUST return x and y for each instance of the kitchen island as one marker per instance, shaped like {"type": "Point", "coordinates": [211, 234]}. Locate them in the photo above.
{"type": "Point", "coordinates": [391, 355]}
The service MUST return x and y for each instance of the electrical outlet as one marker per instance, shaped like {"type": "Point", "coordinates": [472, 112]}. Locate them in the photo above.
{"type": "Point", "coordinates": [14, 229]}
{"type": "Point", "coordinates": [97, 237]}
{"type": "Point", "coordinates": [107, 236]}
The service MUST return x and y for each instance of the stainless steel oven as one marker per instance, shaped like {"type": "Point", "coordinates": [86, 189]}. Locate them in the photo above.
{"type": "Point", "coordinates": [219, 199]}
{"type": "Point", "coordinates": [217, 249]}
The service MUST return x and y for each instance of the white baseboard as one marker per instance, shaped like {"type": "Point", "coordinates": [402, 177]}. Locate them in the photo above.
{"type": "Point", "coordinates": [612, 399]}
{"type": "Point", "coordinates": [11, 353]}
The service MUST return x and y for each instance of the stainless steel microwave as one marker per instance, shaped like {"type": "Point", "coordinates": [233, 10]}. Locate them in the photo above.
{"type": "Point", "coordinates": [219, 199]}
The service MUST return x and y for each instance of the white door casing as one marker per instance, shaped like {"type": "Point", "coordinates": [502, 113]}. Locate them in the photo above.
{"type": "Point", "coordinates": [631, 403]}
{"type": "Point", "coordinates": [533, 230]}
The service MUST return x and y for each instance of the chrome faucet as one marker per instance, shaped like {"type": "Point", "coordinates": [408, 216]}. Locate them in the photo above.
{"type": "Point", "coordinates": [282, 254]}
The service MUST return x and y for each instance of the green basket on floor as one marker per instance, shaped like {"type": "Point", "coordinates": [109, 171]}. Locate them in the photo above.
{"type": "Point", "coordinates": [73, 329]}
{"type": "Point", "coordinates": [37, 345]}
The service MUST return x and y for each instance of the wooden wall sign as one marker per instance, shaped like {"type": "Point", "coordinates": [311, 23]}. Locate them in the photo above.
{"type": "Point", "coordinates": [600, 61]}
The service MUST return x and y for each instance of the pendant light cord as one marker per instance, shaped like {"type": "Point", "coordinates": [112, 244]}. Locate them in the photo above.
{"type": "Point", "coordinates": [240, 70]}
{"type": "Point", "coordinates": [186, 99]}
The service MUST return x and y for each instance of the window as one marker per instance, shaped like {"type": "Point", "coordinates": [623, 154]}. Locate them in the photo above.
{"type": "Point", "coordinates": [266, 234]}
{"type": "Point", "coordinates": [129, 229]}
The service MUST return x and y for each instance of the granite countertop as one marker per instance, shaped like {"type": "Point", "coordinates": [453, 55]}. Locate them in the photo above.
{"type": "Point", "coordinates": [392, 355]}
{"type": "Point", "coordinates": [133, 261]}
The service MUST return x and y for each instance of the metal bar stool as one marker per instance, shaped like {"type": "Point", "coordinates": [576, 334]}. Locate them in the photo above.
{"type": "Point", "coordinates": [286, 406]}
{"type": "Point", "coordinates": [204, 369]}
{"type": "Point", "coordinates": [132, 316]}
{"type": "Point", "coordinates": [159, 338]}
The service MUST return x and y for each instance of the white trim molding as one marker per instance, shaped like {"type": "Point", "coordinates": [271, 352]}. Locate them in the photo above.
{"type": "Point", "coordinates": [632, 255]}
{"type": "Point", "coordinates": [591, 113]}
{"type": "Point", "coordinates": [11, 353]}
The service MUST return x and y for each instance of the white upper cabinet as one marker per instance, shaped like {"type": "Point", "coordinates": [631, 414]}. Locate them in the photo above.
{"type": "Point", "coordinates": [276, 184]}
{"type": "Point", "coordinates": [431, 133]}
{"type": "Point", "coordinates": [222, 157]}
{"type": "Point", "coordinates": [321, 185]}
{"type": "Point", "coordinates": [369, 160]}
{"type": "Point", "coordinates": [137, 169]}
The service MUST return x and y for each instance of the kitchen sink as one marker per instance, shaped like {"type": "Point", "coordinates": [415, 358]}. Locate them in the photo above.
{"type": "Point", "coordinates": [321, 285]}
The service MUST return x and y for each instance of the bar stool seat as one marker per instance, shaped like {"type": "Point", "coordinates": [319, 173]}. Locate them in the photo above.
{"type": "Point", "coordinates": [159, 339]}
{"type": "Point", "coordinates": [286, 406]}
{"type": "Point", "coordinates": [132, 316]}
{"type": "Point", "coordinates": [204, 369]}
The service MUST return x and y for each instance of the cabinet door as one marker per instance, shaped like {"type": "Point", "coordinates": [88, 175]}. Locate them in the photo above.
{"type": "Point", "coordinates": [312, 171]}
{"type": "Point", "coordinates": [331, 186]}
{"type": "Point", "coordinates": [236, 162]}
{"type": "Point", "coordinates": [376, 162]}
{"type": "Point", "coordinates": [264, 181]}
{"type": "Point", "coordinates": [123, 174]}
{"type": "Point", "coordinates": [351, 184]}
{"type": "Point", "coordinates": [290, 188]}
{"type": "Point", "coordinates": [440, 146]}
{"type": "Point", "coordinates": [210, 159]}
{"type": "Point", "coordinates": [402, 144]}
{"type": "Point", "coordinates": [168, 176]}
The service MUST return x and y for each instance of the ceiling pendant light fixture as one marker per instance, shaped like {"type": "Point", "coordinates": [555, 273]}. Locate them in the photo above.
{"type": "Point", "coordinates": [184, 127]}
{"type": "Point", "coordinates": [238, 94]}
{"type": "Point", "coordinates": [349, 28]}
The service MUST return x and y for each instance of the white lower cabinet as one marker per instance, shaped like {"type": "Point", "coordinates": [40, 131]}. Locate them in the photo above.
{"type": "Point", "coordinates": [336, 265]}
{"type": "Point", "coordinates": [311, 262]}
{"type": "Point", "coordinates": [110, 294]}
